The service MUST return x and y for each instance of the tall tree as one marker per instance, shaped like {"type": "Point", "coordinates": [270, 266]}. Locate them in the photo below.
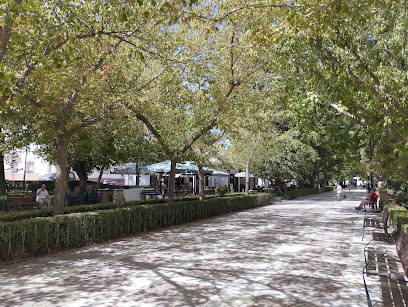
{"type": "Point", "coordinates": [75, 47]}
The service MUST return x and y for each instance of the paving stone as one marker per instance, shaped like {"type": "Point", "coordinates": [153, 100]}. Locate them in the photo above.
{"type": "Point", "coordinates": [303, 252]}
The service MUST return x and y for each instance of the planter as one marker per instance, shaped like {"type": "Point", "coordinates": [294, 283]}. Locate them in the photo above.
{"type": "Point", "coordinates": [118, 196]}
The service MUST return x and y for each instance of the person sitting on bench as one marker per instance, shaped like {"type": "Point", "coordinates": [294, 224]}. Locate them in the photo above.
{"type": "Point", "coordinates": [372, 198]}
{"type": "Point", "coordinates": [42, 197]}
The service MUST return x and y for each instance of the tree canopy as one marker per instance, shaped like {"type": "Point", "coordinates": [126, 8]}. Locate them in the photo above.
{"type": "Point", "coordinates": [310, 89]}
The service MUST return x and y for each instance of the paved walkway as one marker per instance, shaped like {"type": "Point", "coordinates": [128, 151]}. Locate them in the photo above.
{"type": "Point", "coordinates": [304, 252]}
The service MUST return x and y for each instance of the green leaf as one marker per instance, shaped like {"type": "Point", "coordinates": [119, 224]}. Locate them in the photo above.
{"type": "Point", "coordinates": [123, 16]}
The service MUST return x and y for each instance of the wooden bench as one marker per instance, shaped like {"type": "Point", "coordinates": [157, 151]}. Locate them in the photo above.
{"type": "Point", "coordinates": [371, 204]}
{"type": "Point", "coordinates": [402, 249]}
{"type": "Point", "coordinates": [384, 266]}
{"type": "Point", "coordinates": [380, 222]}
{"type": "Point", "coordinates": [21, 202]}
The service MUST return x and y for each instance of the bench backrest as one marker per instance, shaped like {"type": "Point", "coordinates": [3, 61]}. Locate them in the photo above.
{"type": "Point", "coordinates": [384, 215]}
{"type": "Point", "coordinates": [21, 199]}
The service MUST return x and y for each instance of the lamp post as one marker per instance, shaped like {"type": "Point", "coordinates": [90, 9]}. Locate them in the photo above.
{"type": "Point", "coordinates": [25, 167]}
{"type": "Point", "coordinates": [371, 168]}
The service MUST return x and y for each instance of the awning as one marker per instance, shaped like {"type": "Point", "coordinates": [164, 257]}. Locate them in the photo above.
{"type": "Point", "coordinates": [185, 168]}
{"type": "Point", "coordinates": [217, 173]}
{"type": "Point", "coordinates": [164, 167]}
{"type": "Point", "coordinates": [242, 174]}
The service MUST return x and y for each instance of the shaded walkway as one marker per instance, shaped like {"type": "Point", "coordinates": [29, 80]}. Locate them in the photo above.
{"type": "Point", "coordinates": [304, 252]}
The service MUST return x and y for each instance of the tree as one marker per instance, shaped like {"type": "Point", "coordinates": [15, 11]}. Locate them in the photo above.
{"type": "Point", "coordinates": [196, 93]}
{"type": "Point", "coordinates": [287, 159]}
{"type": "Point", "coordinates": [76, 51]}
{"type": "Point", "coordinates": [353, 56]}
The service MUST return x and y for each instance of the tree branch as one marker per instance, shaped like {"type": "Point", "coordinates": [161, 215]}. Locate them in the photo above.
{"type": "Point", "coordinates": [82, 82]}
{"type": "Point", "coordinates": [359, 81]}
{"type": "Point", "coordinates": [197, 136]}
{"type": "Point", "coordinates": [156, 133]}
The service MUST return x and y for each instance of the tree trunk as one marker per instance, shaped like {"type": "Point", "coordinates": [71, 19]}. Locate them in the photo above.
{"type": "Point", "coordinates": [137, 175]}
{"type": "Point", "coordinates": [247, 178]}
{"type": "Point", "coordinates": [201, 182]}
{"type": "Point", "coordinates": [281, 184]}
{"type": "Point", "coordinates": [98, 183]}
{"type": "Point", "coordinates": [2, 175]}
{"type": "Point", "coordinates": [67, 171]}
{"type": "Point", "coordinates": [317, 173]}
{"type": "Point", "coordinates": [172, 179]}
{"type": "Point", "coordinates": [62, 148]}
{"type": "Point", "coordinates": [79, 168]}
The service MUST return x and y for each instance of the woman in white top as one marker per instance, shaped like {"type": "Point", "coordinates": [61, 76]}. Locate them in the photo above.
{"type": "Point", "coordinates": [339, 191]}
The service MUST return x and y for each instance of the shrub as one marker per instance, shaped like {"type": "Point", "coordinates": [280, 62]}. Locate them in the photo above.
{"type": "Point", "coordinates": [301, 192]}
{"type": "Point", "coordinates": [295, 193]}
{"type": "Point", "coordinates": [3, 203]}
{"type": "Point", "coordinates": [398, 216]}
{"type": "Point", "coordinates": [28, 214]}
{"type": "Point", "coordinates": [39, 236]}
{"type": "Point", "coordinates": [221, 190]}
{"type": "Point", "coordinates": [402, 199]}
{"type": "Point", "coordinates": [327, 189]}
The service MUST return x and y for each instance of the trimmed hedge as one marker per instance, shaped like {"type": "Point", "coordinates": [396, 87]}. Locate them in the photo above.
{"type": "Point", "coordinates": [40, 236]}
{"type": "Point", "coordinates": [327, 189]}
{"type": "Point", "coordinates": [398, 216]}
{"type": "Point", "coordinates": [13, 186]}
{"type": "Point", "coordinates": [3, 203]}
{"type": "Point", "coordinates": [28, 214]}
{"type": "Point", "coordinates": [301, 192]}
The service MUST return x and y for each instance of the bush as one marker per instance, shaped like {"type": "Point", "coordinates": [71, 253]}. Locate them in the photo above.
{"type": "Point", "coordinates": [28, 214]}
{"type": "Point", "coordinates": [398, 216]}
{"type": "Point", "coordinates": [3, 203]}
{"type": "Point", "coordinates": [221, 190]}
{"type": "Point", "coordinates": [39, 236]}
{"type": "Point", "coordinates": [21, 215]}
{"type": "Point", "coordinates": [295, 193]}
{"type": "Point", "coordinates": [327, 189]}
{"type": "Point", "coordinates": [402, 199]}
{"type": "Point", "coordinates": [301, 192]}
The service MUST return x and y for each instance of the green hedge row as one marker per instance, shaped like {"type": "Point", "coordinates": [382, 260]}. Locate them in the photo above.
{"type": "Point", "coordinates": [3, 203]}
{"type": "Point", "coordinates": [40, 236]}
{"type": "Point", "coordinates": [28, 214]}
{"type": "Point", "coordinates": [327, 189]}
{"type": "Point", "coordinates": [301, 192]}
{"type": "Point", "coordinates": [398, 216]}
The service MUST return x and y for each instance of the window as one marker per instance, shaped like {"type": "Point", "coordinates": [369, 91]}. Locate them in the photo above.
{"type": "Point", "coordinates": [30, 167]}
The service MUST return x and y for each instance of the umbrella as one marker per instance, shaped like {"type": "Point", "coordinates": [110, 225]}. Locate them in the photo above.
{"type": "Point", "coordinates": [125, 171]}
{"type": "Point", "coordinates": [181, 168]}
{"type": "Point", "coordinates": [164, 167]}
{"type": "Point", "coordinates": [215, 172]}
{"type": "Point", "coordinates": [242, 174]}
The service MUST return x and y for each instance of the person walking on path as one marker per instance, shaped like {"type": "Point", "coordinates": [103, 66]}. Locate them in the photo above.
{"type": "Point", "coordinates": [42, 197]}
{"type": "Point", "coordinates": [339, 190]}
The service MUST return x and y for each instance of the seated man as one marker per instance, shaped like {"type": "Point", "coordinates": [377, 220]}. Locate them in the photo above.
{"type": "Point", "coordinates": [372, 198]}
{"type": "Point", "coordinates": [42, 196]}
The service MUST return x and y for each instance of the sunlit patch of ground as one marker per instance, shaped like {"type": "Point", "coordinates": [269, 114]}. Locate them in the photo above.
{"type": "Point", "coordinates": [303, 252]}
